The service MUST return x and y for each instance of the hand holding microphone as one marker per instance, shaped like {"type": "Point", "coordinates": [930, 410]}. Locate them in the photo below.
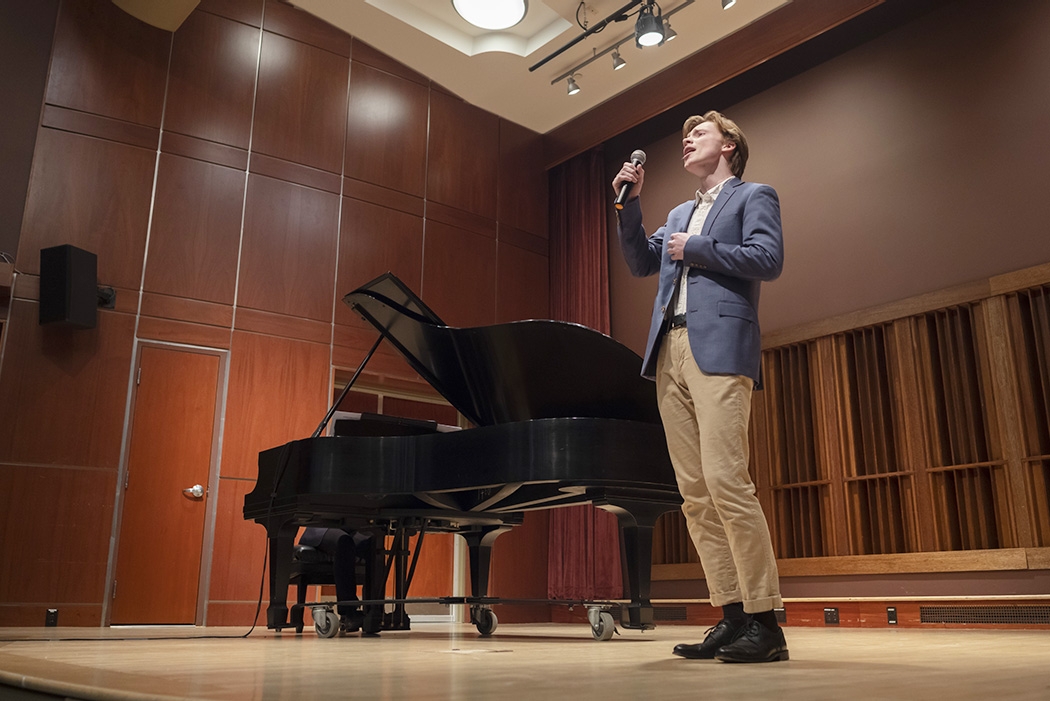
{"type": "Point", "coordinates": [627, 178]}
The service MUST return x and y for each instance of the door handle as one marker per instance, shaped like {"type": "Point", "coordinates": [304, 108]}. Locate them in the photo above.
{"type": "Point", "coordinates": [196, 491]}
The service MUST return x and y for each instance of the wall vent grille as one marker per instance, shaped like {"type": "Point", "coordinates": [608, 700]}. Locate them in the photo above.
{"type": "Point", "coordinates": [669, 613]}
{"type": "Point", "coordinates": [985, 614]}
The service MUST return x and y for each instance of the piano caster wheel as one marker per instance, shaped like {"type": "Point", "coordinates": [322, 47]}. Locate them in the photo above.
{"type": "Point", "coordinates": [326, 622]}
{"type": "Point", "coordinates": [485, 620]}
{"type": "Point", "coordinates": [602, 624]}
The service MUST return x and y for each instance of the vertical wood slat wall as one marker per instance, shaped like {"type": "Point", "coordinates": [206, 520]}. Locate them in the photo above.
{"type": "Point", "coordinates": [928, 431]}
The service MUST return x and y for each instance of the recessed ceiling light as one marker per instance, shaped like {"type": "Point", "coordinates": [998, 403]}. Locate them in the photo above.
{"type": "Point", "coordinates": [491, 14]}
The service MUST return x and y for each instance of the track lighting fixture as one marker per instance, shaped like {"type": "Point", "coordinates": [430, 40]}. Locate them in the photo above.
{"type": "Point", "coordinates": [652, 25]}
{"type": "Point", "coordinates": [649, 29]}
{"type": "Point", "coordinates": [669, 33]}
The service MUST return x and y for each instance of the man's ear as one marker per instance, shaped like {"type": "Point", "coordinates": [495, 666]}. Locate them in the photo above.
{"type": "Point", "coordinates": [728, 147]}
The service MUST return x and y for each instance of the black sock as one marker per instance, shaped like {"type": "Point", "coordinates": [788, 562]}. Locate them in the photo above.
{"type": "Point", "coordinates": [768, 619]}
{"type": "Point", "coordinates": [734, 612]}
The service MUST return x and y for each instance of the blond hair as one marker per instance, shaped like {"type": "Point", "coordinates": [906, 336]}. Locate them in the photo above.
{"type": "Point", "coordinates": [730, 133]}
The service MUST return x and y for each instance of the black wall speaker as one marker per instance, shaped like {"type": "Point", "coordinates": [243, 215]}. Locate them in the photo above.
{"type": "Point", "coordinates": [68, 287]}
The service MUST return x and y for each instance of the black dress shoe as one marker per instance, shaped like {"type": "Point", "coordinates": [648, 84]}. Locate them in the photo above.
{"type": "Point", "coordinates": [350, 622]}
{"type": "Point", "coordinates": [722, 633]}
{"type": "Point", "coordinates": [755, 643]}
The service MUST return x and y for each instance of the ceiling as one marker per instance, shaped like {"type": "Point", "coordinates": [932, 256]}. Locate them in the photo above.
{"type": "Point", "coordinates": [491, 69]}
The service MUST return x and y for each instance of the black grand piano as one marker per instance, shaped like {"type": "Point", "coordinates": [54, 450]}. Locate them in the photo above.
{"type": "Point", "coordinates": [561, 417]}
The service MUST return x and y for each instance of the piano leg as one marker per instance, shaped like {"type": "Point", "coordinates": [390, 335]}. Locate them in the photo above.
{"type": "Point", "coordinates": [637, 518]}
{"type": "Point", "coordinates": [479, 546]}
{"type": "Point", "coordinates": [637, 563]}
{"type": "Point", "coordinates": [281, 546]}
{"type": "Point", "coordinates": [374, 585]}
{"type": "Point", "coordinates": [398, 619]}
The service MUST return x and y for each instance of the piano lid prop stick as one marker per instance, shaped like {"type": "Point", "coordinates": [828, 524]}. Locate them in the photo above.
{"type": "Point", "coordinates": [342, 395]}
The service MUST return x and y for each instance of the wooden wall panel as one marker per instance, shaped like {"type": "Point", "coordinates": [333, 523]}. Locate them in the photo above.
{"type": "Point", "coordinates": [463, 155]}
{"type": "Point", "coordinates": [195, 237]}
{"type": "Point", "coordinates": [26, 33]}
{"type": "Point", "coordinates": [386, 137]}
{"type": "Point", "coordinates": [522, 284]}
{"type": "Point", "coordinates": [62, 390]}
{"type": "Point", "coordinates": [289, 249]}
{"type": "Point", "coordinates": [63, 393]}
{"type": "Point", "coordinates": [360, 190]}
{"type": "Point", "coordinates": [56, 524]}
{"type": "Point", "coordinates": [237, 554]}
{"type": "Point", "coordinates": [282, 325]}
{"type": "Point", "coordinates": [105, 61]}
{"type": "Point", "coordinates": [523, 189]}
{"type": "Point", "coordinates": [387, 366]}
{"type": "Point", "coordinates": [375, 240]}
{"type": "Point", "coordinates": [278, 391]}
{"type": "Point", "coordinates": [211, 84]}
{"type": "Point", "coordinates": [294, 173]}
{"type": "Point", "coordinates": [192, 334]}
{"type": "Point", "coordinates": [192, 310]}
{"type": "Point", "coordinates": [92, 194]}
{"type": "Point", "coordinates": [461, 219]}
{"type": "Point", "coordinates": [247, 11]}
{"type": "Point", "coordinates": [208, 151]}
{"type": "Point", "coordinates": [459, 275]}
{"type": "Point", "coordinates": [300, 105]}
{"type": "Point", "coordinates": [283, 18]}
{"type": "Point", "coordinates": [98, 126]}
{"type": "Point", "coordinates": [363, 53]}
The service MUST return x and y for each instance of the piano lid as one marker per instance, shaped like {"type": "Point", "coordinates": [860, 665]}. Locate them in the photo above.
{"type": "Point", "coordinates": [536, 369]}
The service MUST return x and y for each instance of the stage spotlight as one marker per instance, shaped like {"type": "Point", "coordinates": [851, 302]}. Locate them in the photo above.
{"type": "Point", "coordinates": [649, 29]}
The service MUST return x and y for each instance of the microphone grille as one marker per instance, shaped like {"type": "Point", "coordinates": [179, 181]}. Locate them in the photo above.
{"type": "Point", "coordinates": [639, 156]}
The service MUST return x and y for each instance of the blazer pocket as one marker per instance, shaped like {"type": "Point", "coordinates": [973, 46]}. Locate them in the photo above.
{"type": "Point", "coordinates": [738, 310]}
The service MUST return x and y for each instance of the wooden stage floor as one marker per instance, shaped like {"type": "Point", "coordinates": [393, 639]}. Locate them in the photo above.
{"type": "Point", "coordinates": [523, 661]}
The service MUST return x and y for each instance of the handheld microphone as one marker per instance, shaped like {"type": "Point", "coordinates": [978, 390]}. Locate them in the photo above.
{"type": "Point", "coordinates": [637, 159]}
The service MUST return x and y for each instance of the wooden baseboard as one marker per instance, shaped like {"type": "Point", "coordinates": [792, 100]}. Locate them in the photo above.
{"type": "Point", "coordinates": [1004, 559]}
{"type": "Point", "coordinates": [927, 613]}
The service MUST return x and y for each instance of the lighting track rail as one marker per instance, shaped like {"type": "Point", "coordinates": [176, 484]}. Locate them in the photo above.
{"type": "Point", "coordinates": [617, 16]}
{"type": "Point", "coordinates": [607, 50]}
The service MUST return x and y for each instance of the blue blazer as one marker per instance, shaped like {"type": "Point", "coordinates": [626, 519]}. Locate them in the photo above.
{"type": "Point", "coordinates": [741, 244]}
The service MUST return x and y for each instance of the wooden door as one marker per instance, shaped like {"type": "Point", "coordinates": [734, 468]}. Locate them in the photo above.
{"type": "Point", "coordinates": [162, 526]}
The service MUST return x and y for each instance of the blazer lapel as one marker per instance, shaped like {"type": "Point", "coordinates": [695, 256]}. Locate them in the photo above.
{"type": "Point", "coordinates": [727, 191]}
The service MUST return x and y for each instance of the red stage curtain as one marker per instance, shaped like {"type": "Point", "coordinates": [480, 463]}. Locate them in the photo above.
{"type": "Point", "coordinates": [584, 544]}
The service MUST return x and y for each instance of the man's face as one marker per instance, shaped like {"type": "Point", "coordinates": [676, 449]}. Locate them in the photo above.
{"type": "Point", "coordinates": [702, 147]}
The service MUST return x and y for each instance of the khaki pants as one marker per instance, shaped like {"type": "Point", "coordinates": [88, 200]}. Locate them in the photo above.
{"type": "Point", "coordinates": [705, 420]}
